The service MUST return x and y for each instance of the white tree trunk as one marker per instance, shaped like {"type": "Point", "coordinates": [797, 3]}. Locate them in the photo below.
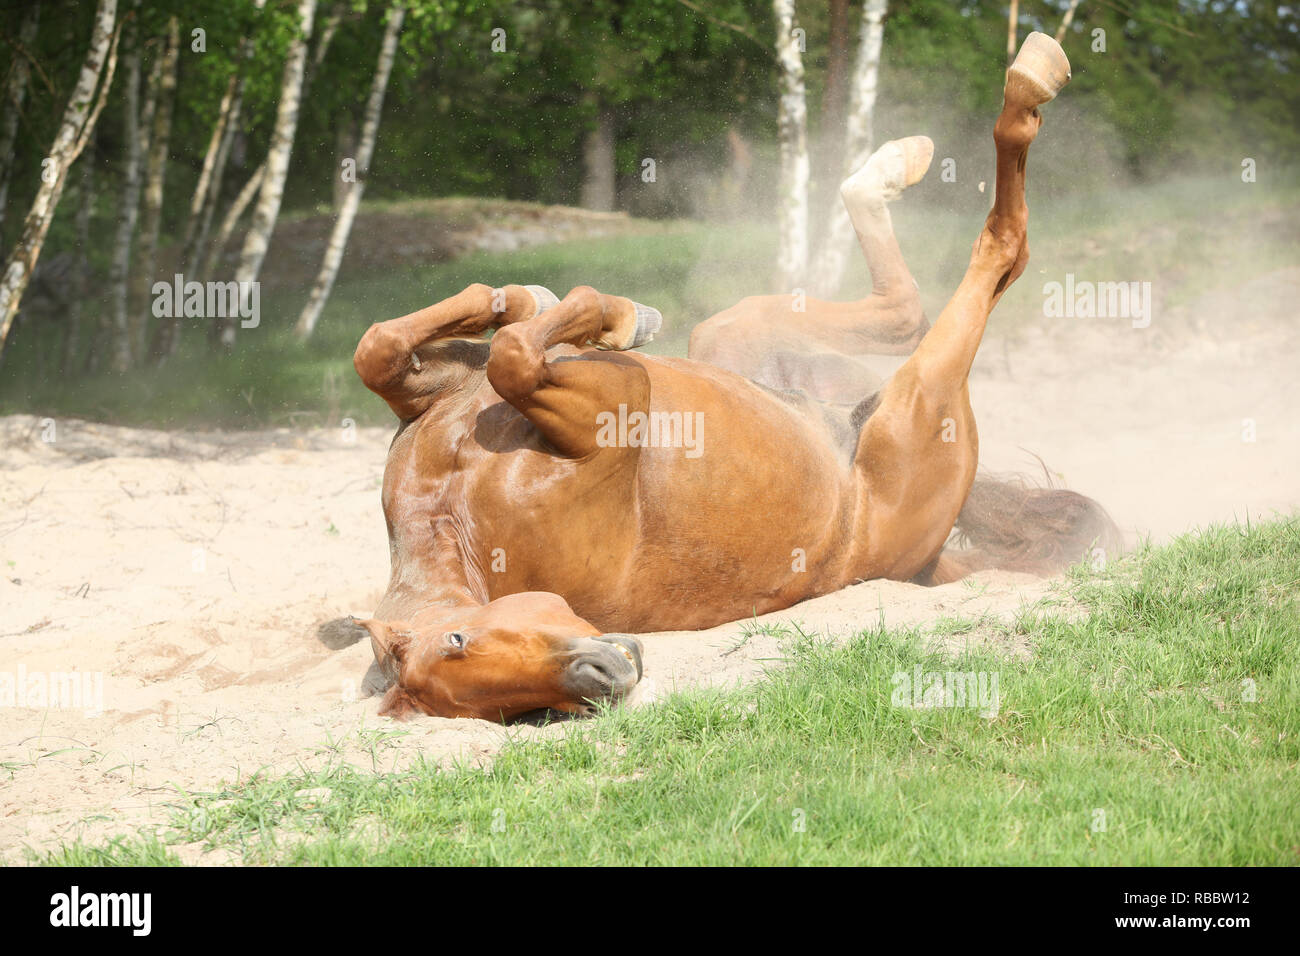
{"type": "Point", "coordinates": [838, 240]}
{"type": "Point", "coordinates": [204, 186]}
{"type": "Point", "coordinates": [329, 26]}
{"type": "Point", "coordinates": [212, 260]}
{"type": "Point", "coordinates": [1066, 21]}
{"type": "Point", "coordinates": [347, 214]}
{"type": "Point", "coordinates": [269, 198]}
{"type": "Point", "coordinates": [792, 249]}
{"type": "Point", "coordinates": [1013, 28]}
{"type": "Point", "coordinates": [118, 337]}
{"type": "Point", "coordinates": [154, 182]}
{"type": "Point", "coordinates": [81, 270]}
{"type": "Point", "coordinates": [15, 93]}
{"type": "Point", "coordinates": [598, 164]}
{"type": "Point", "coordinates": [78, 121]}
{"type": "Point", "coordinates": [347, 140]}
{"type": "Point", "coordinates": [196, 245]}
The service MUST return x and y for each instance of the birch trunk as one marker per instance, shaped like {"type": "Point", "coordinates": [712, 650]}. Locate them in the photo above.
{"type": "Point", "coordinates": [212, 260]}
{"type": "Point", "coordinates": [277, 162]}
{"type": "Point", "coordinates": [78, 121]}
{"type": "Point", "coordinates": [598, 165]}
{"type": "Point", "coordinates": [792, 121]}
{"type": "Point", "coordinates": [154, 182]}
{"type": "Point", "coordinates": [329, 26]}
{"type": "Point", "coordinates": [1066, 21]}
{"type": "Point", "coordinates": [1013, 23]}
{"type": "Point", "coordinates": [15, 93]}
{"type": "Point", "coordinates": [197, 244]}
{"type": "Point", "coordinates": [204, 186]}
{"type": "Point", "coordinates": [352, 200]}
{"type": "Point", "coordinates": [81, 268]}
{"type": "Point", "coordinates": [829, 144]}
{"type": "Point", "coordinates": [838, 240]}
{"type": "Point", "coordinates": [209, 256]}
{"type": "Point", "coordinates": [347, 139]}
{"type": "Point", "coordinates": [117, 333]}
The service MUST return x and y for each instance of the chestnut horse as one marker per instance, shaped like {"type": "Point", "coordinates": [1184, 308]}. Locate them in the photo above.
{"type": "Point", "coordinates": [549, 491]}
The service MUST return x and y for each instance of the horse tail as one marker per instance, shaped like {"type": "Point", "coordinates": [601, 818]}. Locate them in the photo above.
{"type": "Point", "coordinates": [1011, 525]}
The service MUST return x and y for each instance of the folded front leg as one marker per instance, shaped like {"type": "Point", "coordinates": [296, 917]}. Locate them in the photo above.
{"type": "Point", "coordinates": [397, 359]}
{"type": "Point", "coordinates": [564, 395]}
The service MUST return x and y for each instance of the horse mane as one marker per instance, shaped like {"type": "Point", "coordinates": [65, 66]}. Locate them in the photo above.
{"type": "Point", "coordinates": [1011, 524]}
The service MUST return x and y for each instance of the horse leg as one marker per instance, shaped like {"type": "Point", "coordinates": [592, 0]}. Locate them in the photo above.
{"type": "Point", "coordinates": [397, 359]}
{"type": "Point", "coordinates": [783, 341]}
{"type": "Point", "coordinates": [918, 451]}
{"type": "Point", "coordinates": [564, 392]}
{"type": "Point", "coordinates": [893, 311]}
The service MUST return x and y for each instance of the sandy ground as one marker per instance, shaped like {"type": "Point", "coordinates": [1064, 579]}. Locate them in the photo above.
{"type": "Point", "coordinates": [197, 574]}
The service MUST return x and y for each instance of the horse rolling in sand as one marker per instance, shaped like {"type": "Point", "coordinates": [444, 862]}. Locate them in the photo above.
{"type": "Point", "coordinates": [532, 526]}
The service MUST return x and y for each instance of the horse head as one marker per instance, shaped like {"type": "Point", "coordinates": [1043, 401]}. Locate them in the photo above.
{"type": "Point", "coordinates": [495, 661]}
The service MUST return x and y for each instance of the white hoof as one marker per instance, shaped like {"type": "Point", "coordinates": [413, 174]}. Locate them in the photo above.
{"type": "Point", "coordinates": [632, 331]}
{"type": "Point", "coordinates": [1041, 69]}
{"type": "Point", "coordinates": [544, 298]}
{"type": "Point", "coordinates": [890, 169]}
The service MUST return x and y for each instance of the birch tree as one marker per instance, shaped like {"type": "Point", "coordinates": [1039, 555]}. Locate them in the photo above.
{"type": "Point", "coordinates": [792, 121]}
{"type": "Point", "coordinates": [838, 241]}
{"type": "Point", "coordinates": [81, 267]}
{"type": "Point", "coordinates": [208, 194]}
{"type": "Point", "coordinates": [154, 182]}
{"type": "Point", "coordinates": [116, 332]}
{"type": "Point", "coordinates": [258, 239]}
{"type": "Point", "coordinates": [598, 188]}
{"type": "Point", "coordinates": [15, 93]}
{"type": "Point", "coordinates": [202, 255]}
{"type": "Point", "coordinates": [830, 141]}
{"type": "Point", "coordinates": [212, 258]}
{"type": "Point", "coordinates": [203, 188]}
{"type": "Point", "coordinates": [352, 200]}
{"type": "Point", "coordinates": [79, 118]}
{"type": "Point", "coordinates": [1013, 23]}
{"type": "Point", "coordinates": [1066, 21]}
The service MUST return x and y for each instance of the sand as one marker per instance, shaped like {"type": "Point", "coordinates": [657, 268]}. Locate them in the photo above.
{"type": "Point", "coordinates": [197, 574]}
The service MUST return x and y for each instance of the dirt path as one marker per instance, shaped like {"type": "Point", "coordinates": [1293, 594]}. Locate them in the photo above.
{"type": "Point", "coordinates": [194, 572]}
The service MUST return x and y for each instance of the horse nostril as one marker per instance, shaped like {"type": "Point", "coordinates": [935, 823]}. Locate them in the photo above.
{"type": "Point", "coordinates": [628, 646]}
{"type": "Point", "coordinates": [604, 669]}
{"type": "Point", "coordinates": [590, 679]}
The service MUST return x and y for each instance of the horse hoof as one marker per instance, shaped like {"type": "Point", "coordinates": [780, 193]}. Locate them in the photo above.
{"type": "Point", "coordinates": [917, 153]}
{"type": "Point", "coordinates": [649, 321]}
{"type": "Point", "coordinates": [544, 298]}
{"type": "Point", "coordinates": [1039, 72]}
{"type": "Point", "coordinates": [631, 331]}
{"type": "Point", "coordinates": [890, 169]}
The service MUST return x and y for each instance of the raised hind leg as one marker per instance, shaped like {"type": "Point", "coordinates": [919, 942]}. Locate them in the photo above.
{"type": "Point", "coordinates": [790, 341]}
{"type": "Point", "coordinates": [917, 453]}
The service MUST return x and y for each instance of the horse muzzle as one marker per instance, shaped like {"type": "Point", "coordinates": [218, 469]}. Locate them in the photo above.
{"type": "Point", "coordinates": [606, 668]}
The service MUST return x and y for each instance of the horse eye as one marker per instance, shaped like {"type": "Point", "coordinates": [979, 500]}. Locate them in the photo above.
{"type": "Point", "coordinates": [456, 639]}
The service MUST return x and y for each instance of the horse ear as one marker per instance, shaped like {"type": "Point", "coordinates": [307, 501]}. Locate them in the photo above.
{"type": "Point", "coordinates": [390, 641]}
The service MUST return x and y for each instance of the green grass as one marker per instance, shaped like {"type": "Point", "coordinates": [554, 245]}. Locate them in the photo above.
{"type": "Point", "coordinates": [1159, 232]}
{"type": "Point", "coordinates": [1157, 727]}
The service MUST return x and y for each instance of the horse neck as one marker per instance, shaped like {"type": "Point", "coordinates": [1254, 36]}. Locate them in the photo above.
{"type": "Point", "coordinates": [438, 583]}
